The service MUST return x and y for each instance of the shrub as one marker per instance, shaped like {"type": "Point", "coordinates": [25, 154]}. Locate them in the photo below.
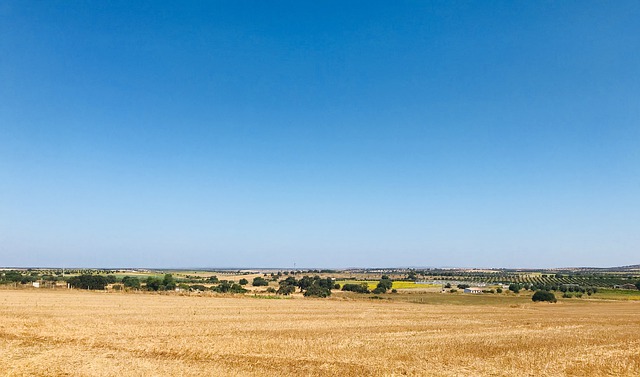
{"type": "Point", "coordinates": [260, 281]}
{"type": "Point", "coordinates": [567, 295]}
{"type": "Point", "coordinates": [271, 290]}
{"type": "Point", "coordinates": [379, 290]}
{"type": "Point", "coordinates": [305, 282]}
{"type": "Point", "coordinates": [498, 290]}
{"type": "Point", "coordinates": [358, 288]}
{"type": "Point", "coordinates": [453, 290]}
{"type": "Point", "coordinates": [383, 285]}
{"type": "Point", "coordinates": [131, 282]}
{"type": "Point", "coordinates": [168, 282]}
{"type": "Point", "coordinates": [315, 290]}
{"type": "Point", "coordinates": [286, 289]}
{"type": "Point", "coordinates": [153, 284]}
{"type": "Point", "coordinates": [88, 281]}
{"type": "Point", "coordinates": [243, 281]}
{"type": "Point", "coordinates": [223, 287]}
{"type": "Point", "coordinates": [237, 288]}
{"type": "Point", "coordinates": [543, 296]}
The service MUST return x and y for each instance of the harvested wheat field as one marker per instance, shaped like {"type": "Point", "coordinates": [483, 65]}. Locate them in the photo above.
{"type": "Point", "coordinates": [72, 333]}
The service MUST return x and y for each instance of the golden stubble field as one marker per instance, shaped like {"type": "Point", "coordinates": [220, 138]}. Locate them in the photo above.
{"type": "Point", "coordinates": [73, 333]}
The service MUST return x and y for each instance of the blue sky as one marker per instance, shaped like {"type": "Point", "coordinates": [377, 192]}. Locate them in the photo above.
{"type": "Point", "coordinates": [325, 134]}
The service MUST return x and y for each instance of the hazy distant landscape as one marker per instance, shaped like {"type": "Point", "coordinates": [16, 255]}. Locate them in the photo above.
{"type": "Point", "coordinates": [289, 322]}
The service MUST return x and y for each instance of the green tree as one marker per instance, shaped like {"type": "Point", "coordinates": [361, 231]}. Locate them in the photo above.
{"type": "Point", "coordinates": [153, 284]}
{"type": "Point", "coordinates": [237, 288]}
{"type": "Point", "coordinates": [168, 282]}
{"type": "Point", "coordinates": [131, 282]}
{"type": "Point", "coordinates": [305, 282]}
{"type": "Point", "coordinates": [243, 281]}
{"type": "Point", "coordinates": [87, 281]}
{"type": "Point", "coordinates": [315, 290]}
{"type": "Point", "coordinates": [543, 296]}
{"type": "Point", "coordinates": [383, 285]}
{"type": "Point", "coordinates": [358, 288]}
{"type": "Point", "coordinates": [286, 289]}
{"type": "Point", "coordinates": [290, 281]}
{"type": "Point", "coordinates": [260, 282]}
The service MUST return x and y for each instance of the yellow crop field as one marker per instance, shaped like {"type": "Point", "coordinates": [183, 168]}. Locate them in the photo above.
{"type": "Point", "coordinates": [412, 285]}
{"type": "Point", "coordinates": [79, 333]}
{"type": "Point", "coordinates": [396, 284]}
{"type": "Point", "coordinates": [371, 284]}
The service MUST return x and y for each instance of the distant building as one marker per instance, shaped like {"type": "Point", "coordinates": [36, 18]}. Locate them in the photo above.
{"type": "Point", "coordinates": [474, 290]}
{"type": "Point", "coordinates": [625, 286]}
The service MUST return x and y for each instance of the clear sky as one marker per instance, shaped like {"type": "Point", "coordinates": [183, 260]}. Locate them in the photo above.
{"type": "Point", "coordinates": [325, 134]}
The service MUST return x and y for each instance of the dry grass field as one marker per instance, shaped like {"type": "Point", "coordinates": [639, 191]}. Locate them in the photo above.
{"type": "Point", "coordinates": [73, 333]}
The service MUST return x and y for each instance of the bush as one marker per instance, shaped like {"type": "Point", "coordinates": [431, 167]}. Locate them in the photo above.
{"type": "Point", "coordinates": [168, 283]}
{"type": "Point", "coordinates": [358, 288]}
{"type": "Point", "coordinates": [88, 282]}
{"type": "Point", "coordinates": [379, 290]}
{"type": "Point", "coordinates": [260, 282]}
{"type": "Point", "coordinates": [286, 289]}
{"type": "Point", "coordinates": [567, 295]}
{"type": "Point", "coordinates": [498, 290]}
{"type": "Point", "coordinates": [131, 282]}
{"type": "Point", "coordinates": [543, 296]}
{"type": "Point", "coordinates": [237, 288]}
{"type": "Point", "coordinates": [153, 284]}
{"type": "Point", "coordinates": [453, 290]}
{"type": "Point", "coordinates": [315, 290]}
{"type": "Point", "coordinates": [383, 285]}
{"type": "Point", "coordinates": [223, 287]}
{"type": "Point", "coordinates": [271, 290]}
{"type": "Point", "coordinates": [243, 281]}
